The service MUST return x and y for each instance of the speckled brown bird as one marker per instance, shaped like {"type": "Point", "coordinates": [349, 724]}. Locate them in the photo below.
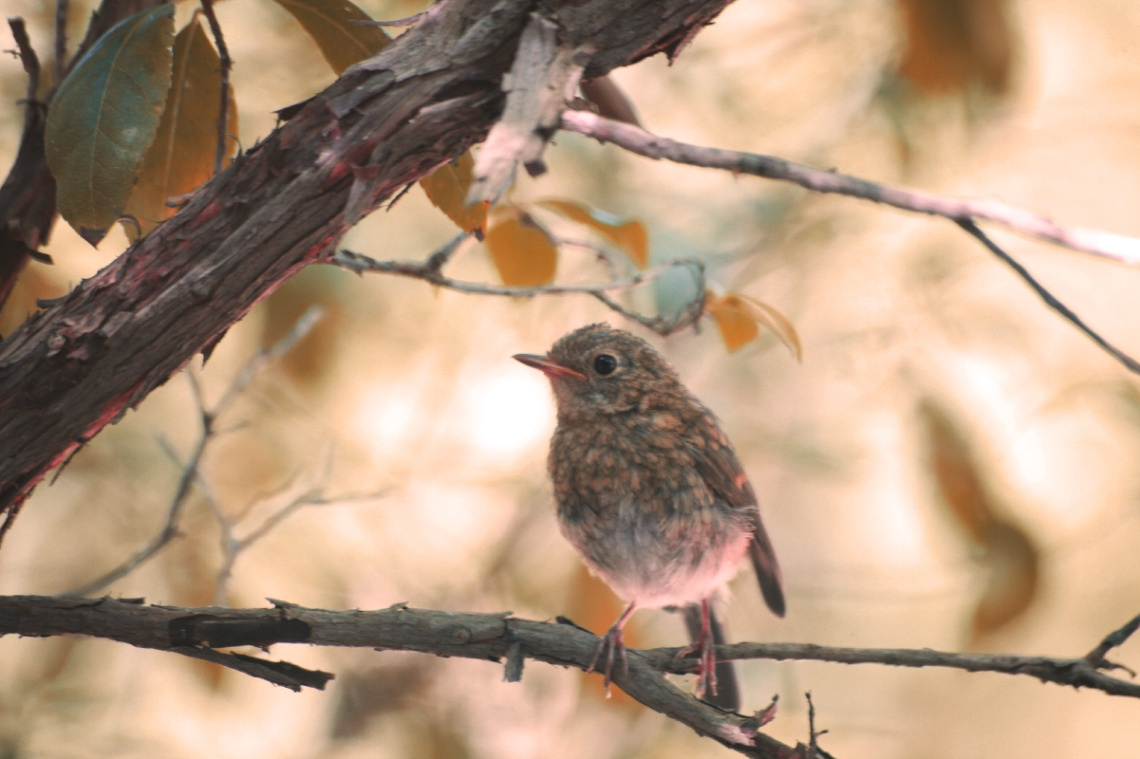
{"type": "Point", "coordinates": [648, 488]}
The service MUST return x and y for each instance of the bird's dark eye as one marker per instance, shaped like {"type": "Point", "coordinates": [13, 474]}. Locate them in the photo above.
{"type": "Point", "coordinates": [604, 364]}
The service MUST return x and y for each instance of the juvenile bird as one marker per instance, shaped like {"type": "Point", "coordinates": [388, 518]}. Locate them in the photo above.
{"type": "Point", "coordinates": [649, 491]}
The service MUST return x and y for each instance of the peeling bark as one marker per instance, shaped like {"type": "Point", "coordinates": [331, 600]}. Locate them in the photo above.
{"type": "Point", "coordinates": [389, 121]}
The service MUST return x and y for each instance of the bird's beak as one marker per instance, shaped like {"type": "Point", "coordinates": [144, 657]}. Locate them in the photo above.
{"type": "Point", "coordinates": [548, 366]}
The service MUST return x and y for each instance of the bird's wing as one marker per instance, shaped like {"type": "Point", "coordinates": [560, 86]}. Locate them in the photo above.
{"type": "Point", "coordinates": [721, 470]}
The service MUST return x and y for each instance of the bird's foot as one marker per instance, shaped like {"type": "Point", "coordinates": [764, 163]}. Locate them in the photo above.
{"type": "Point", "coordinates": [703, 646]}
{"type": "Point", "coordinates": [610, 646]}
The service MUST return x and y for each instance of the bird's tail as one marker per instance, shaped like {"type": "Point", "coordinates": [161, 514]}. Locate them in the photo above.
{"type": "Point", "coordinates": [767, 568]}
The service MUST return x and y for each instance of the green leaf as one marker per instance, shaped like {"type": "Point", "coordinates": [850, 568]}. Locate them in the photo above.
{"type": "Point", "coordinates": [104, 117]}
{"type": "Point", "coordinates": [334, 26]}
{"type": "Point", "coordinates": [181, 157]}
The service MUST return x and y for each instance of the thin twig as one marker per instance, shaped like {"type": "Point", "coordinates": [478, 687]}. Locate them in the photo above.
{"type": "Point", "coordinates": [191, 469]}
{"type": "Point", "coordinates": [1048, 297]}
{"type": "Point", "coordinates": [226, 63]}
{"type": "Point", "coordinates": [406, 21]}
{"type": "Point", "coordinates": [428, 273]}
{"type": "Point", "coordinates": [60, 41]}
{"type": "Point", "coordinates": [1117, 248]}
{"type": "Point", "coordinates": [1095, 658]}
{"type": "Point", "coordinates": [1078, 673]}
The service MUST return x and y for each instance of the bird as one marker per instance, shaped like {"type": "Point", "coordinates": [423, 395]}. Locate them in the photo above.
{"type": "Point", "coordinates": [648, 490]}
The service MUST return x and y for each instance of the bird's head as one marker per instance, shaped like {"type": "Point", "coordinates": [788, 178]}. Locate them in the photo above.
{"type": "Point", "coordinates": [598, 371]}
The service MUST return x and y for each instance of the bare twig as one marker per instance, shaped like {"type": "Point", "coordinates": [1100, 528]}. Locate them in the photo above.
{"type": "Point", "coordinates": [61, 61]}
{"type": "Point", "coordinates": [233, 546]}
{"type": "Point", "coordinates": [224, 98]}
{"type": "Point", "coordinates": [1095, 658]}
{"type": "Point", "coordinates": [1117, 248]}
{"type": "Point", "coordinates": [1078, 673]}
{"type": "Point", "coordinates": [1050, 299]}
{"type": "Point", "coordinates": [429, 272]}
{"type": "Point", "coordinates": [405, 21]}
{"type": "Point", "coordinates": [191, 469]}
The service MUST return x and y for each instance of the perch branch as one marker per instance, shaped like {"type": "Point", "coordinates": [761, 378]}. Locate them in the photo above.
{"type": "Point", "coordinates": [201, 631]}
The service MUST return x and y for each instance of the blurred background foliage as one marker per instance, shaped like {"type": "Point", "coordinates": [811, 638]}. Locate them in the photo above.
{"type": "Point", "coordinates": [950, 466]}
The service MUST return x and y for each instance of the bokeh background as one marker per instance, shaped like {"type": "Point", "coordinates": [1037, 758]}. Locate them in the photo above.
{"type": "Point", "coordinates": [951, 465]}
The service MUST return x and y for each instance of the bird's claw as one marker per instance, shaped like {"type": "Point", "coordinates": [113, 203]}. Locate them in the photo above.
{"type": "Point", "coordinates": [608, 644]}
{"type": "Point", "coordinates": [706, 664]}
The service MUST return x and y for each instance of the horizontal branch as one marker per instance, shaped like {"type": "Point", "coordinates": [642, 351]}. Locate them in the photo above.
{"type": "Point", "coordinates": [1118, 248]}
{"type": "Point", "coordinates": [200, 632]}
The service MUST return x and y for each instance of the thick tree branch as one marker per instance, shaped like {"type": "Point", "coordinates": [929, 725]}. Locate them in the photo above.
{"type": "Point", "coordinates": [425, 99]}
{"type": "Point", "coordinates": [199, 632]}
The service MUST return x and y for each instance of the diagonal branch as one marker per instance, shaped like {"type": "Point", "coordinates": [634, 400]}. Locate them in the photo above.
{"type": "Point", "coordinates": [425, 99]}
{"type": "Point", "coordinates": [1050, 300]}
{"type": "Point", "coordinates": [1117, 248]}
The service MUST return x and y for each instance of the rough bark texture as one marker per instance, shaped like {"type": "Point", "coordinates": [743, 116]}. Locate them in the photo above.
{"type": "Point", "coordinates": [199, 632]}
{"type": "Point", "coordinates": [425, 99]}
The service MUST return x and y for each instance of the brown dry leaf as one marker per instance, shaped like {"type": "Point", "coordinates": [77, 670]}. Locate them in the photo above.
{"type": "Point", "coordinates": [1010, 556]}
{"type": "Point", "coordinates": [340, 30]}
{"type": "Point", "coordinates": [181, 158]}
{"type": "Point", "coordinates": [951, 44]}
{"type": "Point", "coordinates": [522, 251]}
{"type": "Point", "coordinates": [630, 236]}
{"type": "Point", "coordinates": [447, 188]}
{"type": "Point", "coordinates": [955, 475]}
{"type": "Point", "coordinates": [1013, 563]}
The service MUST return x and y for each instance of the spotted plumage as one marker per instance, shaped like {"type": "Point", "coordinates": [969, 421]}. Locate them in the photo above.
{"type": "Point", "coordinates": [648, 488]}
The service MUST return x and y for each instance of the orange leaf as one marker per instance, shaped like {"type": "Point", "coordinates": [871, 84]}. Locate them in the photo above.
{"type": "Point", "coordinates": [735, 321]}
{"type": "Point", "coordinates": [335, 26]}
{"type": "Point", "coordinates": [181, 158]}
{"type": "Point", "coordinates": [740, 318]}
{"type": "Point", "coordinates": [521, 250]}
{"type": "Point", "coordinates": [951, 44]}
{"type": "Point", "coordinates": [776, 322]}
{"type": "Point", "coordinates": [446, 188]}
{"type": "Point", "coordinates": [630, 236]}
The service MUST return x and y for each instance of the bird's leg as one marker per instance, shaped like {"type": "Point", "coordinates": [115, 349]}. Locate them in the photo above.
{"type": "Point", "coordinates": [612, 642]}
{"type": "Point", "coordinates": [706, 661]}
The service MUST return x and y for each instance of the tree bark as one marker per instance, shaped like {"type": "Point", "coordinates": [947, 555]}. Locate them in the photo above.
{"type": "Point", "coordinates": [199, 632]}
{"type": "Point", "coordinates": [425, 99]}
